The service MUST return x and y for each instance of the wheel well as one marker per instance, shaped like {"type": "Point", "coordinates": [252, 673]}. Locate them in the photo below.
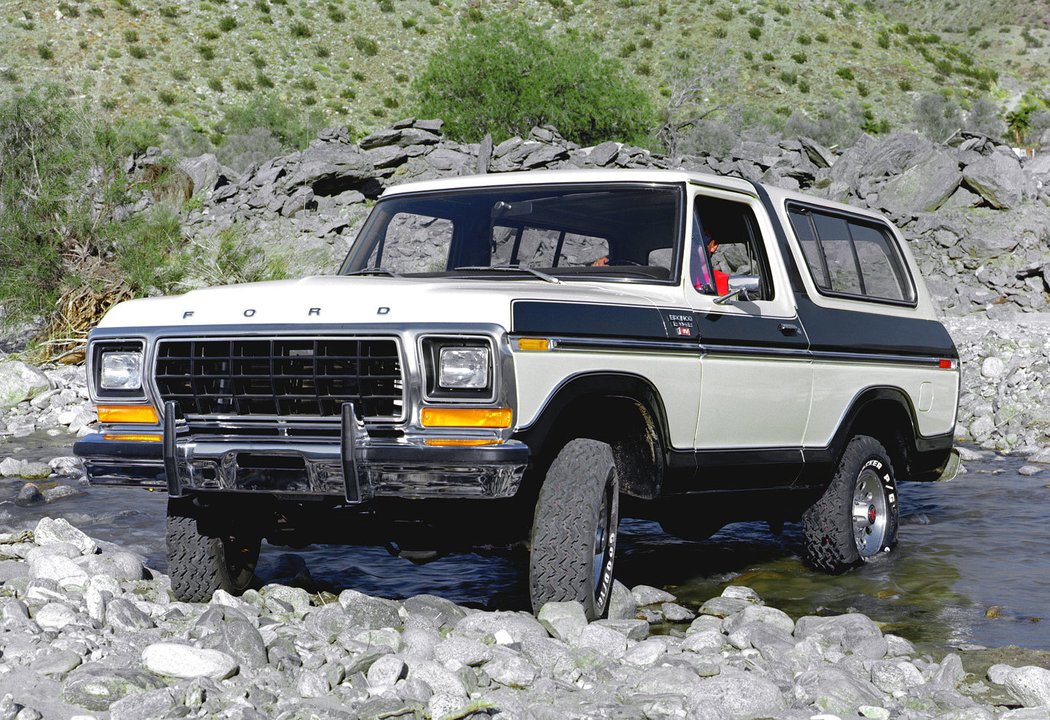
{"type": "Point", "coordinates": [885, 415]}
{"type": "Point", "coordinates": [623, 411]}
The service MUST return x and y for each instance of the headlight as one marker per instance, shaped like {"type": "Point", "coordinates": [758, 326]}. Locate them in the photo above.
{"type": "Point", "coordinates": [463, 368]}
{"type": "Point", "coordinates": [458, 368]}
{"type": "Point", "coordinates": [121, 371]}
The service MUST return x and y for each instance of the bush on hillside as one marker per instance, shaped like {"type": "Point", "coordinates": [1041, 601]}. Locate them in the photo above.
{"type": "Point", "coordinates": [838, 125]}
{"type": "Point", "coordinates": [503, 76]}
{"type": "Point", "coordinates": [294, 129]}
{"type": "Point", "coordinates": [936, 116]}
{"type": "Point", "coordinates": [985, 118]}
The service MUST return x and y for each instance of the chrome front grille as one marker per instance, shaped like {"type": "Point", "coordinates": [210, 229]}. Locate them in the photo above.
{"type": "Point", "coordinates": [282, 377]}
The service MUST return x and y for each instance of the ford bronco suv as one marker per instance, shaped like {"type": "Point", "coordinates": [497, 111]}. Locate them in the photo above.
{"type": "Point", "coordinates": [529, 357]}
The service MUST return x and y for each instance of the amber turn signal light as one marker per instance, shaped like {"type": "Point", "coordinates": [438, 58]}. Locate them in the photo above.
{"type": "Point", "coordinates": [127, 414]}
{"type": "Point", "coordinates": [466, 417]}
{"type": "Point", "coordinates": [534, 344]}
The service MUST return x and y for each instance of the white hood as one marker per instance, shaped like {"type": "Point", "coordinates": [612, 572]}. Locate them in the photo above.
{"type": "Point", "coordinates": [359, 300]}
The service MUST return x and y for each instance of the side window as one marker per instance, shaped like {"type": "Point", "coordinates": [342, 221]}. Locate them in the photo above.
{"type": "Point", "coordinates": [725, 243]}
{"type": "Point", "coordinates": [851, 256]}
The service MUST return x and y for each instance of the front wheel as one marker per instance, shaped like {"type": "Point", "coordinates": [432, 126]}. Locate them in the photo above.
{"type": "Point", "coordinates": [856, 519]}
{"type": "Point", "coordinates": [200, 564]}
{"type": "Point", "coordinates": [574, 529]}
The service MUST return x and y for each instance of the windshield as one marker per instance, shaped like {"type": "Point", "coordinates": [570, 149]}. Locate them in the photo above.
{"type": "Point", "coordinates": [621, 231]}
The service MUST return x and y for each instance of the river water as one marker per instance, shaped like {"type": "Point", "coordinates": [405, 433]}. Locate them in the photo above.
{"type": "Point", "coordinates": [972, 567]}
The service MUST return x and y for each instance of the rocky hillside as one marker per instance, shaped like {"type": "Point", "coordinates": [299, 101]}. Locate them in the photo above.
{"type": "Point", "coordinates": [354, 62]}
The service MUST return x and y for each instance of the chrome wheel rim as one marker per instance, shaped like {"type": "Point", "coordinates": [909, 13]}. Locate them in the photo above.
{"type": "Point", "coordinates": [870, 514]}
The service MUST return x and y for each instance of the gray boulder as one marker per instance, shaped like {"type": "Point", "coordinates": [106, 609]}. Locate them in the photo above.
{"type": "Point", "coordinates": [923, 187]}
{"type": "Point", "coordinates": [19, 382]}
{"type": "Point", "coordinates": [1030, 685]}
{"type": "Point", "coordinates": [998, 178]}
{"type": "Point", "coordinates": [185, 661]}
{"type": "Point", "coordinates": [203, 170]}
{"type": "Point", "coordinates": [94, 687]}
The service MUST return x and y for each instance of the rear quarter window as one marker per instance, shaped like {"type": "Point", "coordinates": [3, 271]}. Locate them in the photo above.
{"type": "Point", "coordinates": [852, 257]}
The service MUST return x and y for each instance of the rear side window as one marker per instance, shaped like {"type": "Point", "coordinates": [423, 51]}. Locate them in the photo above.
{"type": "Point", "coordinates": [850, 256]}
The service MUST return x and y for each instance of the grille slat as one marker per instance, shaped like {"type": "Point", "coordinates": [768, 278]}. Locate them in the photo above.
{"type": "Point", "coordinates": [281, 377]}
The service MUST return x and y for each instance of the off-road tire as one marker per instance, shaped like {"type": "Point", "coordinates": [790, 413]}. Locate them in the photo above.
{"type": "Point", "coordinates": [581, 485]}
{"type": "Point", "coordinates": [829, 527]}
{"type": "Point", "coordinates": [199, 564]}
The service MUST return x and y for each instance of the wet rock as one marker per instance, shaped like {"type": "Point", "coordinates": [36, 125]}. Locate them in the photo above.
{"type": "Point", "coordinates": [60, 492]}
{"type": "Point", "coordinates": [840, 632]}
{"type": "Point", "coordinates": [369, 612]}
{"type": "Point", "coordinates": [673, 612]}
{"type": "Point", "coordinates": [647, 595]}
{"type": "Point", "coordinates": [1030, 685]}
{"type": "Point", "coordinates": [29, 494]}
{"type": "Point", "coordinates": [184, 661]}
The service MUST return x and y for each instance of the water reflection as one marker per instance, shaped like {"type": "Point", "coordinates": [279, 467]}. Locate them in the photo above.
{"type": "Point", "coordinates": [971, 567]}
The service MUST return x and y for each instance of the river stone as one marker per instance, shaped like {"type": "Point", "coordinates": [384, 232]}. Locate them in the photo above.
{"type": "Point", "coordinates": [673, 612]}
{"type": "Point", "coordinates": [284, 599]}
{"type": "Point", "coordinates": [239, 639]}
{"type": "Point", "coordinates": [312, 684]}
{"type": "Point", "coordinates": [143, 706]}
{"type": "Point", "coordinates": [834, 690]}
{"type": "Point", "coordinates": [29, 495]}
{"type": "Point", "coordinates": [50, 531]}
{"type": "Point", "coordinates": [369, 612]}
{"type": "Point", "coordinates": [34, 470]}
{"type": "Point", "coordinates": [645, 653]}
{"type": "Point", "coordinates": [1029, 470]}
{"type": "Point", "coordinates": [184, 661]}
{"type": "Point", "coordinates": [124, 616]}
{"type": "Point", "coordinates": [622, 605]}
{"type": "Point", "coordinates": [631, 629]}
{"type": "Point", "coordinates": [738, 694]}
{"type": "Point", "coordinates": [723, 607]}
{"type": "Point", "coordinates": [840, 631]}
{"type": "Point", "coordinates": [517, 625]}
{"type": "Point", "coordinates": [384, 672]}
{"type": "Point", "coordinates": [648, 595]}
{"type": "Point", "coordinates": [603, 640]}
{"type": "Point", "coordinates": [60, 569]}
{"type": "Point", "coordinates": [95, 688]}
{"type": "Point", "coordinates": [445, 613]}
{"type": "Point", "coordinates": [19, 382]}
{"type": "Point", "coordinates": [511, 670]}
{"type": "Point", "coordinates": [992, 367]}
{"type": "Point", "coordinates": [462, 651]}
{"type": "Point", "coordinates": [58, 549]}
{"type": "Point", "coordinates": [563, 620]}
{"type": "Point", "coordinates": [56, 661]}
{"type": "Point", "coordinates": [1029, 685]}
{"type": "Point", "coordinates": [54, 616]}
{"type": "Point", "coordinates": [60, 492]}
{"type": "Point", "coordinates": [447, 687]}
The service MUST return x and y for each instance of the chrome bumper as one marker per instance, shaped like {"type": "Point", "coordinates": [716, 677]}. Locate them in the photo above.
{"type": "Point", "coordinates": [357, 468]}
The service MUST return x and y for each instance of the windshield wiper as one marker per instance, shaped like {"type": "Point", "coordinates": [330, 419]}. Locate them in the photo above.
{"type": "Point", "coordinates": [513, 268]}
{"type": "Point", "coordinates": [373, 271]}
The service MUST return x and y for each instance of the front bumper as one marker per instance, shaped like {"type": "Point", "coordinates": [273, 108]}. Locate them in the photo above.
{"type": "Point", "coordinates": [356, 468]}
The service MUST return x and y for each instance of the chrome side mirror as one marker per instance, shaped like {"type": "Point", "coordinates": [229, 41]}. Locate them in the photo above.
{"type": "Point", "coordinates": [741, 287]}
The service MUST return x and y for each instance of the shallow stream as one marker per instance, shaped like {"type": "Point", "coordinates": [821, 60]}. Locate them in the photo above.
{"type": "Point", "coordinates": [972, 567]}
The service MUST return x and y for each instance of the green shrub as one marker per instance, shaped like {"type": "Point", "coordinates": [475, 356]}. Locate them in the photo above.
{"type": "Point", "coordinates": [215, 84]}
{"type": "Point", "coordinates": [264, 7]}
{"type": "Point", "coordinates": [754, 32]}
{"type": "Point", "coordinates": [862, 89]}
{"type": "Point", "coordinates": [936, 116]}
{"type": "Point", "coordinates": [207, 52]}
{"type": "Point", "coordinates": [884, 40]}
{"type": "Point", "coordinates": [366, 45]}
{"type": "Point", "coordinates": [71, 11]}
{"type": "Point", "coordinates": [9, 75]}
{"type": "Point", "coordinates": [167, 97]}
{"type": "Point", "coordinates": [243, 84]}
{"type": "Point", "coordinates": [386, 6]}
{"type": "Point", "coordinates": [293, 130]}
{"type": "Point", "coordinates": [45, 52]}
{"type": "Point", "coordinates": [505, 76]}
{"type": "Point", "coordinates": [258, 61]}
{"type": "Point", "coordinates": [211, 35]}
{"type": "Point", "coordinates": [138, 52]}
{"type": "Point", "coordinates": [95, 11]}
{"type": "Point", "coordinates": [179, 75]}
{"type": "Point", "coordinates": [322, 51]}
{"type": "Point", "coordinates": [799, 57]}
{"type": "Point", "coordinates": [719, 32]}
{"type": "Point", "coordinates": [131, 36]}
{"type": "Point", "coordinates": [724, 14]}
{"type": "Point", "coordinates": [628, 49]}
{"type": "Point", "coordinates": [788, 78]}
{"type": "Point", "coordinates": [299, 29]}
{"type": "Point", "coordinates": [845, 73]}
{"type": "Point", "coordinates": [335, 14]}
{"type": "Point", "coordinates": [803, 86]}
{"type": "Point", "coordinates": [768, 56]}
{"type": "Point", "coordinates": [227, 23]}
{"type": "Point", "coordinates": [821, 37]}
{"type": "Point", "coordinates": [169, 11]}
{"type": "Point", "coordinates": [308, 84]}
{"type": "Point", "coordinates": [804, 39]}
{"type": "Point", "coordinates": [904, 84]}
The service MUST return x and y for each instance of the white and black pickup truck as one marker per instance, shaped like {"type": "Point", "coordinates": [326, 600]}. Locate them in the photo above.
{"type": "Point", "coordinates": [529, 357]}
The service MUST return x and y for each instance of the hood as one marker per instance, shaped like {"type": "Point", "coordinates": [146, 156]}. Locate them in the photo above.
{"type": "Point", "coordinates": [357, 300]}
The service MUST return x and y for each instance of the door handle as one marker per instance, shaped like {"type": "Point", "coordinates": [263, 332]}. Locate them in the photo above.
{"type": "Point", "coordinates": [788, 329]}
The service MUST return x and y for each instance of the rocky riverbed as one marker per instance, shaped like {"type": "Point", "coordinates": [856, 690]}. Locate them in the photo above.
{"type": "Point", "coordinates": [87, 631]}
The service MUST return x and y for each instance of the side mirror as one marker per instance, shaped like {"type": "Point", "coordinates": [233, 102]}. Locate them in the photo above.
{"type": "Point", "coordinates": [741, 287]}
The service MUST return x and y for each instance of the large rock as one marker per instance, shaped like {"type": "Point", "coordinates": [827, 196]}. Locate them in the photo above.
{"type": "Point", "coordinates": [19, 382]}
{"type": "Point", "coordinates": [923, 187]}
{"type": "Point", "coordinates": [1030, 685]}
{"type": "Point", "coordinates": [203, 170]}
{"type": "Point", "coordinates": [997, 178]}
{"type": "Point", "coordinates": [185, 661]}
{"type": "Point", "coordinates": [53, 531]}
{"type": "Point", "coordinates": [96, 688]}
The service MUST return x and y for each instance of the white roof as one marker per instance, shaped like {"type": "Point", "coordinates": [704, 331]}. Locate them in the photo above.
{"type": "Point", "coordinates": [539, 177]}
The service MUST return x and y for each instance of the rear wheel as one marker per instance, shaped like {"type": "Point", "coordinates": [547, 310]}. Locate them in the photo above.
{"type": "Point", "coordinates": [574, 529]}
{"type": "Point", "coordinates": [200, 564]}
{"type": "Point", "coordinates": [856, 519]}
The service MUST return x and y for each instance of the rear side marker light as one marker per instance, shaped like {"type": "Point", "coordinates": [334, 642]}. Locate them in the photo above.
{"type": "Point", "coordinates": [945, 364]}
{"type": "Point", "coordinates": [127, 414]}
